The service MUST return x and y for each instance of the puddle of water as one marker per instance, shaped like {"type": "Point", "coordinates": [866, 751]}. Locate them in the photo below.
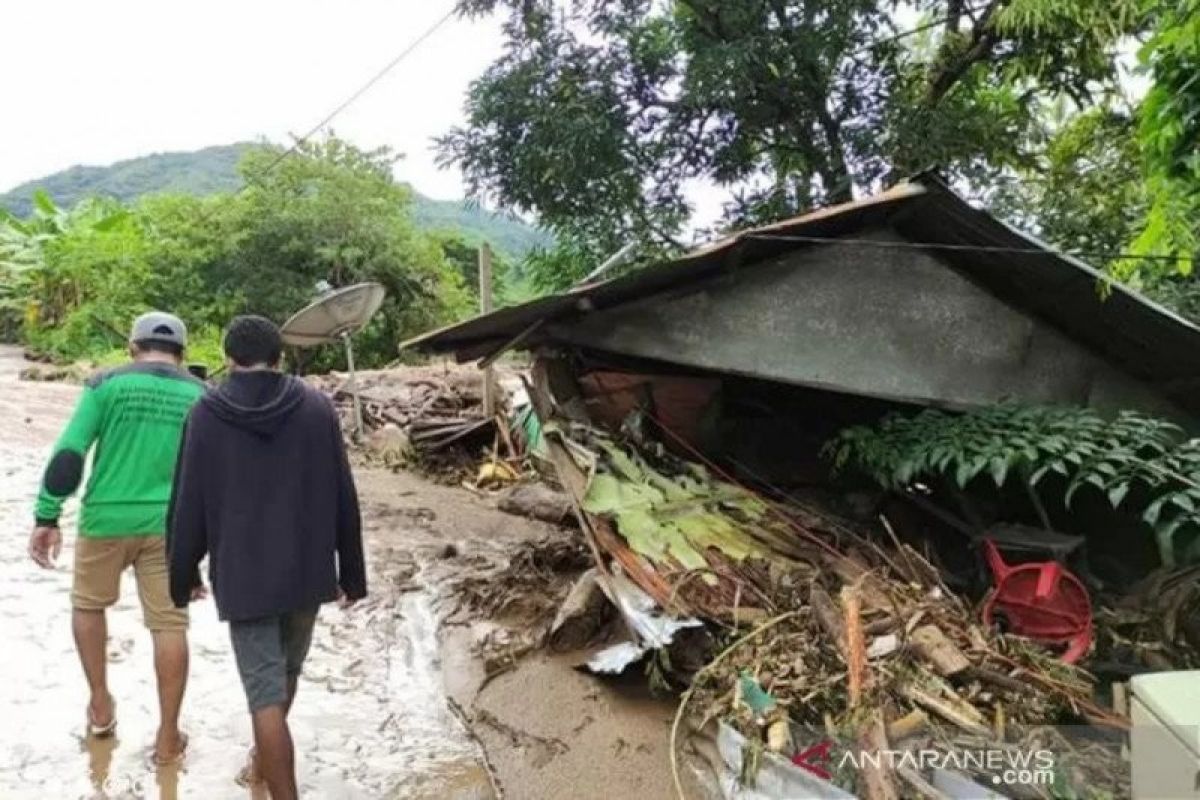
{"type": "Point", "coordinates": [370, 719]}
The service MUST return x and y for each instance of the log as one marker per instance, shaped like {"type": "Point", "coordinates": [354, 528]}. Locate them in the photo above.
{"type": "Point", "coordinates": [881, 626]}
{"type": "Point", "coordinates": [536, 501]}
{"type": "Point", "coordinates": [936, 648]}
{"type": "Point", "coordinates": [985, 675]}
{"type": "Point", "coordinates": [828, 616]}
{"type": "Point", "coordinates": [878, 781]}
{"type": "Point", "coordinates": [856, 647]}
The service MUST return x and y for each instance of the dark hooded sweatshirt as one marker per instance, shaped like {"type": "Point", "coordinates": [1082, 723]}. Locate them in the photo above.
{"type": "Point", "coordinates": [264, 488]}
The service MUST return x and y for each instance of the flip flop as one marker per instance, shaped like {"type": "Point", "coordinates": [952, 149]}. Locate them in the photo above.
{"type": "Point", "coordinates": [174, 759]}
{"type": "Point", "coordinates": [101, 731]}
{"type": "Point", "coordinates": [248, 775]}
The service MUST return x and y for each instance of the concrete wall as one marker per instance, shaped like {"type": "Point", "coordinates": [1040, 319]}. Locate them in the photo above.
{"type": "Point", "coordinates": [889, 323]}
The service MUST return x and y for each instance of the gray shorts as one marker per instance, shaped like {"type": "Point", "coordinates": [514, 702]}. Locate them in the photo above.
{"type": "Point", "coordinates": [270, 653]}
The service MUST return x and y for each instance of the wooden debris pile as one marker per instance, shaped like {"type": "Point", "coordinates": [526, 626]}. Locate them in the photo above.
{"type": "Point", "coordinates": [1156, 625]}
{"type": "Point", "coordinates": [523, 595]}
{"type": "Point", "coordinates": [853, 633]}
{"type": "Point", "coordinates": [530, 585]}
{"type": "Point", "coordinates": [438, 409]}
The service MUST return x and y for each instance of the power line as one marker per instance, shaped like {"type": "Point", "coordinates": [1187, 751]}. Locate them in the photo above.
{"type": "Point", "coordinates": [971, 248]}
{"type": "Point", "coordinates": [931, 24]}
{"type": "Point", "coordinates": [366, 87]}
{"type": "Point", "coordinates": [342, 106]}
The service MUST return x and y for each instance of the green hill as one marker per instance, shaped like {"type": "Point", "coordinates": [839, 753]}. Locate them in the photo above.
{"type": "Point", "coordinates": [214, 169]}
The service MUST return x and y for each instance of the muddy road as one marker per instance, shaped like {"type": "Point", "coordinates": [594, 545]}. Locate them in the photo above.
{"type": "Point", "coordinates": [371, 719]}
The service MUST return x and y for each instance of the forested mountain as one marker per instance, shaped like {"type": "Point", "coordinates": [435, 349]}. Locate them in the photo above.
{"type": "Point", "coordinates": [214, 169]}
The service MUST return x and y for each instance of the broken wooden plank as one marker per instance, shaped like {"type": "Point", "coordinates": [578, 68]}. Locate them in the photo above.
{"type": "Point", "coordinates": [935, 647]}
{"type": "Point", "coordinates": [946, 710]}
{"type": "Point", "coordinates": [1120, 698]}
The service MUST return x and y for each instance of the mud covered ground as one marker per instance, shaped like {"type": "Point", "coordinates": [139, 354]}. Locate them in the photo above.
{"type": "Point", "coordinates": [374, 717]}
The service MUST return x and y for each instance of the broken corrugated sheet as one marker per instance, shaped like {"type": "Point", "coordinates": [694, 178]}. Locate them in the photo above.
{"type": "Point", "coordinates": [651, 628]}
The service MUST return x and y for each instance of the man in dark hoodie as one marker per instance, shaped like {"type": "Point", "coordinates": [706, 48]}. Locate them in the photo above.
{"type": "Point", "coordinates": [264, 488]}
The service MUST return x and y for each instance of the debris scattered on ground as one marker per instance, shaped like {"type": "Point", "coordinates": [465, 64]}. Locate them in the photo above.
{"type": "Point", "coordinates": [859, 639]}
{"type": "Point", "coordinates": [426, 416]}
{"type": "Point", "coordinates": [523, 597]}
{"type": "Point", "coordinates": [390, 445]}
{"type": "Point", "coordinates": [531, 586]}
{"type": "Point", "coordinates": [1156, 625]}
{"type": "Point", "coordinates": [61, 373]}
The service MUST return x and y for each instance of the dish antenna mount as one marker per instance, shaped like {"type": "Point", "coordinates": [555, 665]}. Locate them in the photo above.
{"type": "Point", "coordinates": [336, 315]}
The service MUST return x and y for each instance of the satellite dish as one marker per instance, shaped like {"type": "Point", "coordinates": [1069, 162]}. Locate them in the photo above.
{"type": "Point", "coordinates": [336, 314]}
{"type": "Point", "coordinates": [333, 315]}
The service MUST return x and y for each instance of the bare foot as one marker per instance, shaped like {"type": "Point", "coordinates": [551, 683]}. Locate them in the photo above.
{"type": "Point", "coordinates": [249, 774]}
{"type": "Point", "coordinates": [170, 747]}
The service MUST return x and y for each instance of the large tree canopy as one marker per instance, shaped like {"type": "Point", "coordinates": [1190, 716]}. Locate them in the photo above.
{"type": "Point", "coordinates": [599, 116]}
{"type": "Point", "coordinates": [1170, 140]}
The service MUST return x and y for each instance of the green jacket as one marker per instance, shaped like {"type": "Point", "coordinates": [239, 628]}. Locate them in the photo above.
{"type": "Point", "coordinates": [134, 415]}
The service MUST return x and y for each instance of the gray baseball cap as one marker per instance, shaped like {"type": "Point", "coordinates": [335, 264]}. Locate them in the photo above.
{"type": "Point", "coordinates": [159, 326]}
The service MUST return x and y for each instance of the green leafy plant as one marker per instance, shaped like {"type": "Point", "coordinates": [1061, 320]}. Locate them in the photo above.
{"type": "Point", "coordinates": [1169, 133]}
{"type": "Point", "coordinates": [1011, 442]}
{"type": "Point", "coordinates": [71, 279]}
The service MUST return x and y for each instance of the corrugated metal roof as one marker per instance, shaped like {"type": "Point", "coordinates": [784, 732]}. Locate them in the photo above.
{"type": "Point", "coordinates": [731, 251]}
{"type": "Point", "coordinates": [1143, 338]}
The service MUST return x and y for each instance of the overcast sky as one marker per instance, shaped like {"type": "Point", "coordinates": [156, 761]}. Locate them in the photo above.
{"type": "Point", "coordinates": [86, 82]}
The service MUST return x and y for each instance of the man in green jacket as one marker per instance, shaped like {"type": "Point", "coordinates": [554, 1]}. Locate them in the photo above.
{"type": "Point", "coordinates": [134, 416]}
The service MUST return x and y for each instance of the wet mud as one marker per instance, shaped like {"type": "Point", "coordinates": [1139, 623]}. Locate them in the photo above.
{"type": "Point", "coordinates": [389, 688]}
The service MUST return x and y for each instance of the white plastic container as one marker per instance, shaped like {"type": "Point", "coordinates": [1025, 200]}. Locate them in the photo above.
{"type": "Point", "coordinates": [1165, 740]}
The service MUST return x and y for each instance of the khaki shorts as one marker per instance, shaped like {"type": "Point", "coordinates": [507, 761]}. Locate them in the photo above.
{"type": "Point", "coordinates": [99, 562]}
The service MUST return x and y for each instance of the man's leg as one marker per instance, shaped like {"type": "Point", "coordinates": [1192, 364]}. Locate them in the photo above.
{"type": "Point", "coordinates": [297, 629]}
{"type": "Point", "coordinates": [91, 641]}
{"type": "Point", "coordinates": [274, 752]}
{"type": "Point", "coordinates": [258, 647]}
{"type": "Point", "coordinates": [96, 585]}
{"type": "Point", "coordinates": [168, 627]}
{"type": "Point", "coordinates": [171, 670]}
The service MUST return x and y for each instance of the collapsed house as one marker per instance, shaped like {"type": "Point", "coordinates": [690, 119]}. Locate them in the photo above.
{"type": "Point", "coordinates": [686, 406]}
{"type": "Point", "coordinates": [755, 350]}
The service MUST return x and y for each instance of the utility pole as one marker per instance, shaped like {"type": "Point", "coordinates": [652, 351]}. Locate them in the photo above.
{"type": "Point", "coordinates": [485, 306]}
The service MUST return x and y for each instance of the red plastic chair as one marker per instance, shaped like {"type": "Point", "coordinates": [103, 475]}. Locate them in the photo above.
{"type": "Point", "coordinates": [1041, 601]}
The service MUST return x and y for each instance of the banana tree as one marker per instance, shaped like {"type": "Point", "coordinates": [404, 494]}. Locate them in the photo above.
{"type": "Point", "coordinates": [33, 286]}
